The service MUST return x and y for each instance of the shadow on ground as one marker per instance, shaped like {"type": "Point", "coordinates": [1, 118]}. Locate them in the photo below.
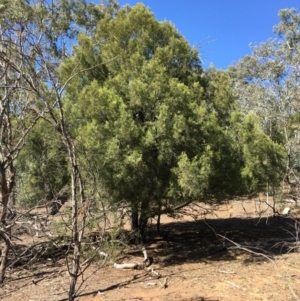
{"type": "Point", "coordinates": [212, 239]}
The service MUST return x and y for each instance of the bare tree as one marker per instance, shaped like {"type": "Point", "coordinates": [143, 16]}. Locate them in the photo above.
{"type": "Point", "coordinates": [56, 117]}
{"type": "Point", "coordinates": [19, 82]}
{"type": "Point", "coordinates": [34, 37]}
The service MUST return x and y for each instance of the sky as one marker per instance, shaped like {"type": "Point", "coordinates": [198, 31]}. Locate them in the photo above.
{"type": "Point", "coordinates": [221, 29]}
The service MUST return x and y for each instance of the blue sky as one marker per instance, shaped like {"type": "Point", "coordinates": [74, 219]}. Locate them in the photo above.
{"type": "Point", "coordinates": [228, 25]}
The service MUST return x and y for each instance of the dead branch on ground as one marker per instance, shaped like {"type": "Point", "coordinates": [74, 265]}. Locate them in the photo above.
{"type": "Point", "coordinates": [269, 258]}
{"type": "Point", "coordinates": [136, 265]}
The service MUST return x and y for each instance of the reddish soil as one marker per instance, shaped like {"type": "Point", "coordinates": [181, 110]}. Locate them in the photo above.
{"type": "Point", "coordinates": [192, 261]}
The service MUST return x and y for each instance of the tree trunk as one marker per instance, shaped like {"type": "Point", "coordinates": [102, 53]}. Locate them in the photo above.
{"type": "Point", "coordinates": [74, 272]}
{"type": "Point", "coordinates": [4, 194]}
{"type": "Point", "coordinates": [4, 255]}
{"type": "Point", "coordinates": [134, 217]}
{"type": "Point", "coordinates": [143, 219]}
{"type": "Point", "coordinates": [158, 218]}
{"type": "Point", "coordinates": [75, 240]}
{"type": "Point", "coordinates": [5, 189]}
{"type": "Point", "coordinates": [139, 220]}
{"type": "Point", "coordinates": [77, 232]}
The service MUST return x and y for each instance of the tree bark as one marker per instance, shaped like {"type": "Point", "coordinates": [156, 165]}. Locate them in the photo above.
{"type": "Point", "coordinates": [4, 194]}
{"type": "Point", "coordinates": [143, 219]}
{"type": "Point", "coordinates": [5, 189]}
{"type": "Point", "coordinates": [75, 236]}
{"type": "Point", "coordinates": [77, 231]}
{"type": "Point", "coordinates": [4, 255]}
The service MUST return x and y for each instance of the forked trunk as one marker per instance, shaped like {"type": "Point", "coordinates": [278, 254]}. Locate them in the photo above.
{"type": "Point", "coordinates": [139, 220]}
{"type": "Point", "coordinates": [77, 228]}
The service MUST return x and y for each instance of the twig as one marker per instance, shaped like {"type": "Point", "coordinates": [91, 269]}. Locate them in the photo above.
{"type": "Point", "coordinates": [269, 259]}
{"type": "Point", "coordinates": [235, 285]}
{"type": "Point", "coordinates": [165, 283]}
{"type": "Point", "coordinates": [226, 272]}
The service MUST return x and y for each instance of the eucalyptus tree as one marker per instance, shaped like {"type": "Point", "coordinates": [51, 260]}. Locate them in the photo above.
{"type": "Point", "coordinates": [143, 118]}
{"type": "Point", "coordinates": [267, 84]}
{"type": "Point", "coordinates": [20, 82]}
{"type": "Point", "coordinates": [34, 37]}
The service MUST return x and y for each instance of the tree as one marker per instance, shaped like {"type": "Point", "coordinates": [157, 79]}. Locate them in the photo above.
{"type": "Point", "coordinates": [19, 93]}
{"type": "Point", "coordinates": [34, 37]}
{"type": "Point", "coordinates": [262, 158]}
{"type": "Point", "coordinates": [143, 118]}
{"type": "Point", "coordinates": [41, 168]}
{"type": "Point", "coordinates": [226, 181]}
{"type": "Point", "coordinates": [267, 83]}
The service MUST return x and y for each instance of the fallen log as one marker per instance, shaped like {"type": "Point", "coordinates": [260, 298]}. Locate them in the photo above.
{"type": "Point", "coordinates": [136, 265]}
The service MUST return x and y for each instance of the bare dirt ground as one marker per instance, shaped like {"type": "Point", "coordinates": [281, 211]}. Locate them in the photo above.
{"type": "Point", "coordinates": [193, 261]}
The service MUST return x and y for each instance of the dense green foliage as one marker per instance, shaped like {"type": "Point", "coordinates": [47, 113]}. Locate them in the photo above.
{"type": "Point", "coordinates": [267, 84]}
{"type": "Point", "coordinates": [44, 159]}
{"type": "Point", "coordinates": [153, 131]}
{"type": "Point", "coordinates": [152, 123]}
{"type": "Point", "coordinates": [159, 131]}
